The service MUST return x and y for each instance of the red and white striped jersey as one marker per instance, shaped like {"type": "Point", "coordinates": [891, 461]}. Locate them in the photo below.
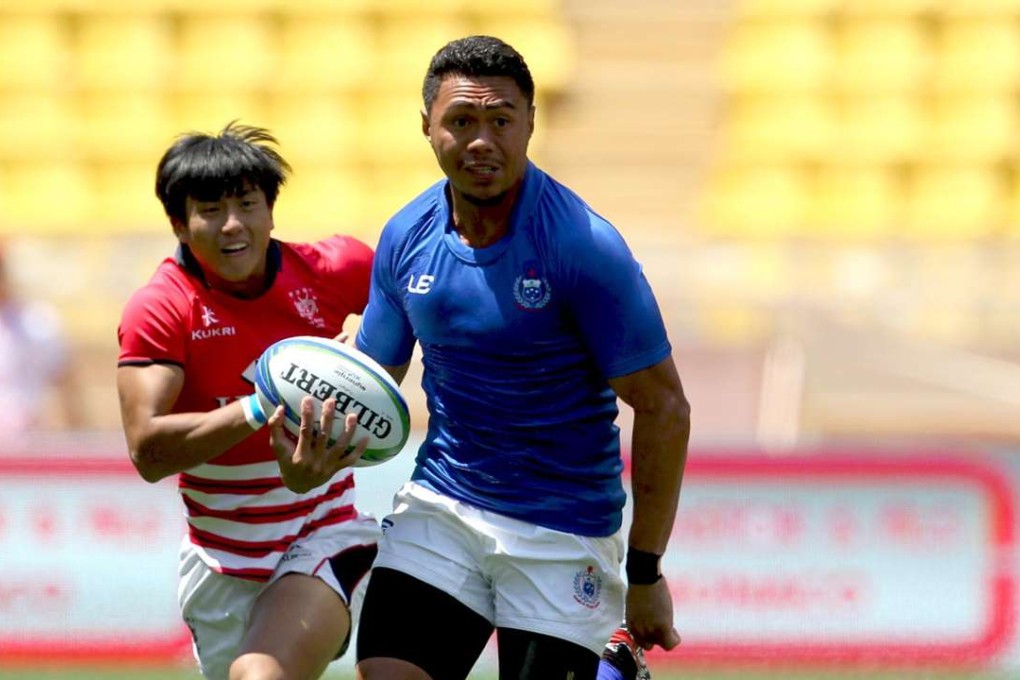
{"type": "Point", "coordinates": [241, 518]}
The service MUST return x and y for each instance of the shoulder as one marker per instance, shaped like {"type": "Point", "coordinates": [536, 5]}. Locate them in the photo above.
{"type": "Point", "coordinates": [334, 253]}
{"type": "Point", "coordinates": [571, 224]}
{"type": "Point", "coordinates": [169, 290]}
{"type": "Point", "coordinates": [419, 215]}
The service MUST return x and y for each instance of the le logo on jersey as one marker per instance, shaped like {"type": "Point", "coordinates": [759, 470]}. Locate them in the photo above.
{"type": "Point", "coordinates": [422, 285]}
{"type": "Point", "coordinates": [532, 290]}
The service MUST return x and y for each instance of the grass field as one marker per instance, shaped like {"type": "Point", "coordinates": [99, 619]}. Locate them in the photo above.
{"type": "Point", "coordinates": [690, 674]}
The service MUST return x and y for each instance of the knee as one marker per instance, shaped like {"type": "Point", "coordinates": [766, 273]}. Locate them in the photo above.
{"type": "Point", "coordinates": [257, 667]}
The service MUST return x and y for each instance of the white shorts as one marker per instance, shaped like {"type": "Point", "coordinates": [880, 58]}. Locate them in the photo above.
{"type": "Point", "coordinates": [515, 574]}
{"type": "Point", "coordinates": [215, 607]}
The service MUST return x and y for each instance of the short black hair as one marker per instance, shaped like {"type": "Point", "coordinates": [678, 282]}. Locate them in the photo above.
{"type": "Point", "coordinates": [477, 56]}
{"type": "Point", "coordinates": [207, 167]}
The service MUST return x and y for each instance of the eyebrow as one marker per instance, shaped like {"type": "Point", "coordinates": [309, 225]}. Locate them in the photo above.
{"type": "Point", "coordinates": [464, 104]}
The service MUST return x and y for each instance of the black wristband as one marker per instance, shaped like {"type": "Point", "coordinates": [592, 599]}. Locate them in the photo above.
{"type": "Point", "coordinates": [642, 567]}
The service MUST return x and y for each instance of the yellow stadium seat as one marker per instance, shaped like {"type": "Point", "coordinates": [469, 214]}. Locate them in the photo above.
{"type": "Point", "coordinates": [881, 56]}
{"type": "Point", "coordinates": [981, 8]}
{"type": "Point", "coordinates": [888, 8]}
{"type": "Point", "coordinates": [37, 126]}
{"type": "Point", "coordinates": [957, 202]}
{"type": "Point", "coordinates": [123, 51]}
{"type": "Point", "coordinates": [324, 53]}
{"type": "Point", "coordinates": [225, 52]}
{"type": "Point", "coordinates": [979, 128]}
{"type": "Point", "coordinates": [323, 199]}
{"type": "Point", "coordinates": [756, 202]}
{"type": "Point", "coordinates": [210, 111]}
{"type": "Point", "coordinates": [393, 184]}
{"type": "Point", "coordinates": [778, 9]}
{"type": "Point", "coordinates": [546, 44]}
{"type": "Point", "coordinates": [390, 127]}
{"type": "Point", "coordinates": [1011, 224]}
{"type": "Point", "coordinates": [406, 45]}
{"type": "Point", "coordinates": [776, 56]}
{"type": "Point", "coordinates": [402, 9]}
{"type": "Point", "coordinates": [126, 126]}
{"type": "Point", "coordinates": [125, 198]}
{"type": "Point", "coordinates": [314, 128]}
{"type": "Point", "coordinates": [862, 202]}
{"type": "Point", "coordinates": [780, 128]}
{"type": "Point", "coordinates": [978, 55]}
{"type": "Point", "coordinates": [879, 129]}
{"type": "Point", "coordinates": [34, 52]}
{"type": "Point", "coordinates": [48, 197]}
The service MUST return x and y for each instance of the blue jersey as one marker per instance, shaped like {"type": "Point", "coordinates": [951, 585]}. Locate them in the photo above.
{"type": "Point", "coordinates": [518, 340]}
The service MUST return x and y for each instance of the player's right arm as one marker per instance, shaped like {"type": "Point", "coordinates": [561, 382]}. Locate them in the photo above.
{"type": "Point", "coordinates": [162, 443]}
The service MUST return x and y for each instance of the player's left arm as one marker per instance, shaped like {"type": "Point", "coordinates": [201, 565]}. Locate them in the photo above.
{"type": "Point", "coordinates": [661, 431]}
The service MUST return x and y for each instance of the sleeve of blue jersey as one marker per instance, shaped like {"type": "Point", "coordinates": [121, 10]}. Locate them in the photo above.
{"type": "Point", "coordinates": [612, 302]}
{"type": "Point", "coordinates": [385, 333]}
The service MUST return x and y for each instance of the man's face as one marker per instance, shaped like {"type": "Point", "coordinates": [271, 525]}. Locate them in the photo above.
{"type": "Point", "coordinates": [229, 236]}
{"type": "Point", "coordinates": [479, 129]}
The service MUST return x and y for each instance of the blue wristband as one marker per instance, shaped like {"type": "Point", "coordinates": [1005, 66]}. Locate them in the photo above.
{"type": "Point", "coordinates": [253, 412]}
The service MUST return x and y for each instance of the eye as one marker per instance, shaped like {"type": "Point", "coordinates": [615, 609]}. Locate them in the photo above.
{"type": "Point", "coordinates": [208, 209]}
{"type": "Point", "coordinates": [501, 122]}
{"type": "Point", "coordinates": [460, 122]}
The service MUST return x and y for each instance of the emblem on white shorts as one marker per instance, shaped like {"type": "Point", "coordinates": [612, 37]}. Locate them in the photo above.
{"type": "Point", "coordinates": [588, 588]}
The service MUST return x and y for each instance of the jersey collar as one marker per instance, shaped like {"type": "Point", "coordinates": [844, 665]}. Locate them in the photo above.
{"type": "Point", "coordinates": [186, 261]}
{"type": "Point", "coordinates": [524, 208]}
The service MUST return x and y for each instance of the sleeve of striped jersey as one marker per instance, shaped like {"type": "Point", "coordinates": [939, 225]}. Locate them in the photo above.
{"type": "Point", "coordinates": [152, 329]}
{"type": "Point", "coordinates": [349, 261]}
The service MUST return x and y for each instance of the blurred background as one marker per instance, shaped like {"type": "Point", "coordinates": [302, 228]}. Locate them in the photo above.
{"type": "Point", "coordinates": [825, 195]}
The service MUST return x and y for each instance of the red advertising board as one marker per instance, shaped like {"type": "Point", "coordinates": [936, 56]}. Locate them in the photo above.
{"type": "Point", "coordinates": [837, 559]}
{"type": "Point", "coordinates": [87, 563]}
{"type": "Point", "coordinates": [831, 558]}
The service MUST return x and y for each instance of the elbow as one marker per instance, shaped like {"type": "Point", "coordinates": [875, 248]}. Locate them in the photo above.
{"type": "Point", "coordinates": [146, 468]}
{"type": "Point", "coordinates": [682, 409]}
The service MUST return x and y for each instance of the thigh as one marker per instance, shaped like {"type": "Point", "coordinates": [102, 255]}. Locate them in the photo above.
{"type": "Point", "coordinates": [531, 656]}
{"type": "Point", "coordinates": [215, 608]}
{"type": "Point", "coordinates": [556, 584]}
{"type": "Point", "coordinates": [437, 540]}
{"type": "Point", "coordinates": [408, 620]}
{"type": "Point", "coordinates": [296, 626]}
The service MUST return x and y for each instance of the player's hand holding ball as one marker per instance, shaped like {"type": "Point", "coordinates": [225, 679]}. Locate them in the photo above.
{"type": "Point", "coordinates": [332, 407]}
{"type": "Point", "coordinates": [314, 457]}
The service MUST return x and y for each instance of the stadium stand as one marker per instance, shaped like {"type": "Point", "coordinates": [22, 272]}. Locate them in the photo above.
{"type": "Point", "coordinates": [775, 162]}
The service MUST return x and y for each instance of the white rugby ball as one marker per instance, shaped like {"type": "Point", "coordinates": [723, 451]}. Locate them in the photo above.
{"type": "Point", "coordinates": [301, 366]}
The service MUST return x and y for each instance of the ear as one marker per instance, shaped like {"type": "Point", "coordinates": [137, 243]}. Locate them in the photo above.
{"type": "Point", "coordinates": [531, 120]}
{"type": "Point", "coordinates": [425, 127]}
{"type": "Point", "coordinates": [180, 230]}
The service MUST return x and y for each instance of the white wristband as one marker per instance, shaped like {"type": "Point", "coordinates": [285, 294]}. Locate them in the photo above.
{"type": "Point", "coordinates": [253, 412]}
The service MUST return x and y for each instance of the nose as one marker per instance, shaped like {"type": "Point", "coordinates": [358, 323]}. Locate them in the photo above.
{"type": "Point", "coordinates": [234, 221]}
{"type": "Point", "coordinates": [483, 138]}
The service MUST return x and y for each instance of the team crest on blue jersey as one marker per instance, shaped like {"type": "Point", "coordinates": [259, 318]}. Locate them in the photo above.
{"type": "Point", "coordinates": [588, 588]}
{"type": "Point", "coordinates": [531, 289]}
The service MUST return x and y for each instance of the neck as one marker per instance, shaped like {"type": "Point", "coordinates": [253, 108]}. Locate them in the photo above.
{"type": "Point", "coordinates": [481, 223]}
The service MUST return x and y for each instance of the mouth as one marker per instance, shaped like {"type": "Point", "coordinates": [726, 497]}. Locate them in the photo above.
{"type": "Point", "coordinates": [481, 170]}
{"type": "Point", "coordinates": [234, 249]}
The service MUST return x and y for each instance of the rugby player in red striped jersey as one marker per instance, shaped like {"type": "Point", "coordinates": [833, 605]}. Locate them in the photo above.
{"type": "Point", "coordinates": [276, 554]}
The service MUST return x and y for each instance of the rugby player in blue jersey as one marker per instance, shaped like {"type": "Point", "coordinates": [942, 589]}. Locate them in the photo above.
{"type": "Point", "coordinates": [533, 317]}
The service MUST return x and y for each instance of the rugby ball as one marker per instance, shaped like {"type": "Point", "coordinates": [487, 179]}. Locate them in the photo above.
{"type": "Point", "coordinates": [302, 366]}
